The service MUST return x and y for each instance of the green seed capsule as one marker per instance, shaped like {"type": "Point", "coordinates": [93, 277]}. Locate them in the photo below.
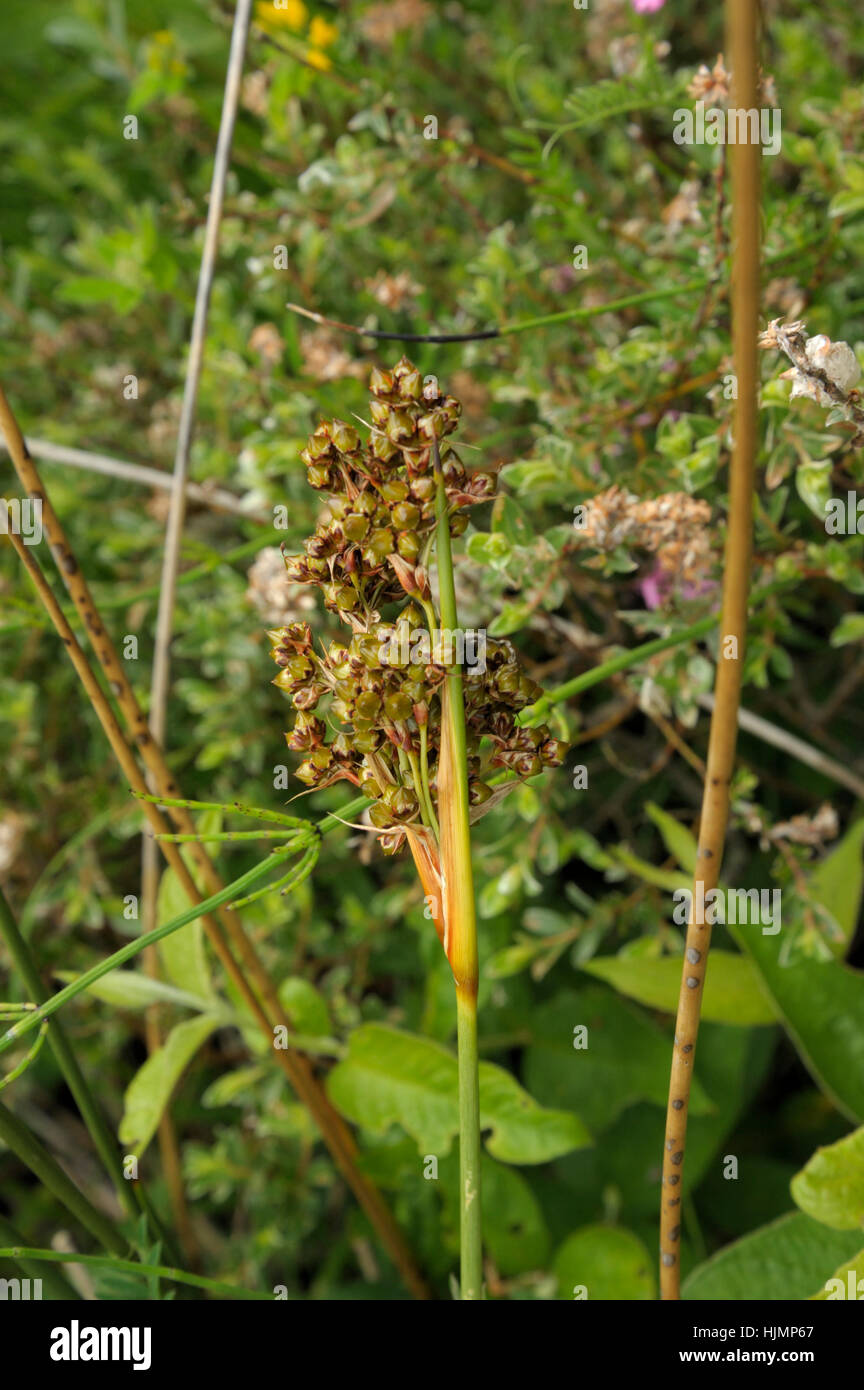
{"type": "Point", "coordinates": [479, 792]}
{"type": "Point", "coordinates": [344, 437]}
{"type": "Point", "coordinates": [406, 516]}
{"type": "Point", "coordinates": [394, 490]}
{"type": "Point", "coordinates": [355, 527]}
{"type": "Point", "coordinates": [397, 706]}
{"type": "Point", "coordinates": [408, 545]}
{"type": "Point", "coordinates": [400, 426]}
{"type": "Point", "coordinates": [383, 448]}
{"type": "Point", "coordinates": [367, 741]}
{"type": "Point", "coordinates": [380, 382]}
{"type": "Point", "coordinates": [319, 476]}
{"type": "Point", "coordinates": [380, 815]}
{"type": "Point", "coordinates": [378, 546]}
{"type": "Point", "coordinates": [423, 489]}
{"type": "Point", "coordinates": [367, 704]}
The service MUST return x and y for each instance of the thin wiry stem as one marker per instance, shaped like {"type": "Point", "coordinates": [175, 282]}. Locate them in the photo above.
{"type": "Point", "coordinates": [742, 20]}
{"type": "Point", "coordinates": [150, 861]}
{"type": "Point", "coordinates": [218, 499]}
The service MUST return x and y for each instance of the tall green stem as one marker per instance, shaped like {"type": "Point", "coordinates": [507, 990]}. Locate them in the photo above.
{"type": "Point", "coordinates": [460, 939]}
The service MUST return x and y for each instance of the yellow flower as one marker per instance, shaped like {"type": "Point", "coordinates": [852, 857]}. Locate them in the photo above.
{"type": "Point", "coordinates": [316, 59]}
{"type": "Point", "coordinates": [322, 34]}
{"type": "Point", "coordinates": [282, 14]}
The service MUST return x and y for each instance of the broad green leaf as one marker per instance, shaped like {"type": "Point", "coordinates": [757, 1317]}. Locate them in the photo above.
{"type": "Point", "coordinates": [515, 1233]}
{"type": "Point", "coordinates": [390, 1077]}
{"type": "Point", "coordinates": [837, 883]}
{"type": "Point", "coordinates": [151, 1087]}
{"type": "Point", "coordinates": [731, 1064]}
{"type": "Point", "coordinates": [626, 1058]}
{"type": "Point", "coordinates": [840, 1286]}
{"type": "Point", "coordinates": [830, 1187]}
{"type": "Point", "coordinates": [733, 993]}
{"type": "Point", "coordinates": [132, 989]}
{"type": "Point", "coordinates": [305, 1006]}
{"type": "Point", "coordinates": [680, 842]}
{"type": "Point", "coordinates": [610, 1263]}
{"type": "Point", "coordinates": [786, 1259]}
{"type": "Point", "coordinates": [821, 1006]}
{"type": "Point", "coordinates": [182, 954]}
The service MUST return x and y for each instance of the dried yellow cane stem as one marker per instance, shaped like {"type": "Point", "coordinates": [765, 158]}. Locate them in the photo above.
{"type": "Point", "coordinates": [745, 159]}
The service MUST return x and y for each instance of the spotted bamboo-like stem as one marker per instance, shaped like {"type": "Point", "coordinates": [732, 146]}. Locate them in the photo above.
{"type": "Point", "coordinates": [741, 19]}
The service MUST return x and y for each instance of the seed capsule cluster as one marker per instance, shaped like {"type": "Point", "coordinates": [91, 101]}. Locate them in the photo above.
{"type": "Point", "coordinates": [382, 684]}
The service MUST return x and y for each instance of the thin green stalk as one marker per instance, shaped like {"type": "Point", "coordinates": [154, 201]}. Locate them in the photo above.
{"type": "Point", "coordinates": [424, 779]}
{"type": "Point", "coordinates": [227, 894]}
{"type": "Point", "coordinates": [632, 656]}
{"type": "Point", "coordinates": [17, 1137]}
{"type": "Point", "coordinates": [177, 1276]}
{"type": "Point", "coordinates": [460, 938]}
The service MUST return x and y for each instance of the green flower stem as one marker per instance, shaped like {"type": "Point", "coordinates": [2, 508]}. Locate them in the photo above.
{"type": "Point", "coordinates": [177, 1276]}
{"type": "Point", "coordinates": [460, 919]}
{"type": "Point", "coordinates": [17, 1137]}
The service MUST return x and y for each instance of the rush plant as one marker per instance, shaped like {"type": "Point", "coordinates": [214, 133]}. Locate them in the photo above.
{"type": "Point", "coordinates": [420, 733]}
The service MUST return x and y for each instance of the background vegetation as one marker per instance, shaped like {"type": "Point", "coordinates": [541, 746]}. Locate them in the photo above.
{"type": "Point", "coordinates": [554, 132]}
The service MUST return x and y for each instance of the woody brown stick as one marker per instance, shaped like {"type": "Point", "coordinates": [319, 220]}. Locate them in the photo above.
{"type": "Point", "coordinates": [266, 1008]}
{"type": "Point", "coordinates": [741, 19]}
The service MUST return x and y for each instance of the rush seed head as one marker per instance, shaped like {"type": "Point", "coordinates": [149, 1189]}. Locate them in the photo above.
{"type": "Point", "coordinates": [382, 685]}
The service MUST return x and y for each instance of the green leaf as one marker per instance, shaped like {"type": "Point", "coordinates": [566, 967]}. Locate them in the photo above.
{"type": "Point", "coordinates": [813, 482]}
{"type": "Point", "coordinates": [733, 993]}
{"type": "Point", "coordinates": [509, 618]}
{"type": "Point", "coordinates": [390, 1077]}
{"type": "Point", "coordinates": [626, 1058]}
{"type": "Point", "coordinates": [610, 1263]}
{"type": "Point", "coordinates": [182, 954]}
{"type": "Point", "coordinates": [131, 989]}
{"type": "Point", "coordinates": [821, 1005]}
{"type": "Point", "coordinates": [305, 1006]}
{"type": "Point", "coordinates": [92, 289]}
{"type": "Point", "coordinates": [151, 1087]}
{"type": "Point", "coordinates": [849, 629]}
{"type": "Point", "coordinates": [838, 881]}
{"type": "Point", "coordinates": [514, 1228]}
{"type": "Point", "coordinates": [783, 1260]}
{"type": "Point", "coordinates": [855, 1267]}
{"type": "Point", "coordinates": [830, 1187]}
{"type": "Point", "coordinates": [680, 842]}
{"type": "Point", "coordinates": [234, 1087]}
